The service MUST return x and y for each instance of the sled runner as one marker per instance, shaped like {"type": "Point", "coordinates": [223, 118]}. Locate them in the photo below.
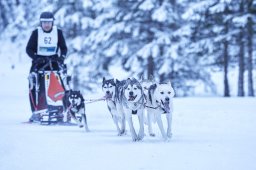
{"type": "Point", "coordinates": [48, 82]}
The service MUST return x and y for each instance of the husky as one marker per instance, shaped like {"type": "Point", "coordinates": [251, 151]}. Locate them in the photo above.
{"type": "Point", "coordinates": [73, 102]}
{"type": "Point", "coordinates": [112, 92]}
{"type": "Point", "coordinates": [133, 104]}
{"type": "Point", "coordinates": [161, 103]}
{"type": "Point", "coordinates": [146, 83]}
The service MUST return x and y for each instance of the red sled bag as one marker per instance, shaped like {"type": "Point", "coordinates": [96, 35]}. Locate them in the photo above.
{"type": "Point", "coordinates": [55, 89]}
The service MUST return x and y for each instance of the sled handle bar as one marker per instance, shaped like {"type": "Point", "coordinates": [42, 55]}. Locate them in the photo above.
{"type": "Point", "coordinates": [49, 63]}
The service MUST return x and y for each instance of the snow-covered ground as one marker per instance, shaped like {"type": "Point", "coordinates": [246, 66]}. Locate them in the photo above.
{"type": "Point", "coordinates": [208, 133]}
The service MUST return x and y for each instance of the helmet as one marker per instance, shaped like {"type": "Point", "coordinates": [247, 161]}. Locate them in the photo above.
{"type": "Point", "coordinates": [46, 16]}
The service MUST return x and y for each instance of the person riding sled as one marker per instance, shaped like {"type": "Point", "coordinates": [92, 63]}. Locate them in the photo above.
{"type": "Point", "coordinates": [47, 49]}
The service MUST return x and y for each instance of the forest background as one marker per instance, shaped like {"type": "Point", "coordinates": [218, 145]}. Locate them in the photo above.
{"type": "Point", "coordinates": [197, 44]}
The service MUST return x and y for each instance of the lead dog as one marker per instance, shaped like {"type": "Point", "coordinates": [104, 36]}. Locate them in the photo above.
{"type": "Point", "coordinates": [112, 92]}
{"type": "Point", "coordinates": [133, 104]}
{"type": "Point", "coordinates": [73, 102]}
{"type": "Point", "coordinates": [161, 104]}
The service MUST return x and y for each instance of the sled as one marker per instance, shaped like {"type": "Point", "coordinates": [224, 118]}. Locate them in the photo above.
{"type": "Point", "coordinates": [47, 86]}
{"type": "Point", "coordinates": [52, 124]}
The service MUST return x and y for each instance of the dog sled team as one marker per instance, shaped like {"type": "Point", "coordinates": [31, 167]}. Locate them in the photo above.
{"type": "Point", "coordinates": [53, 101]}
{"type": "Point", "coordinates": [140, 103]}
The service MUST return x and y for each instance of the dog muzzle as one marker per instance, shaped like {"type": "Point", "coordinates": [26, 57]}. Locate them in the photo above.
{"type": "Point", "coordinates": [108, 96]}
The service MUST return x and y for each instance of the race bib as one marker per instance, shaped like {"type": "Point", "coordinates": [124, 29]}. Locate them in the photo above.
{"type": "Point", "coordinates": [47, 42]}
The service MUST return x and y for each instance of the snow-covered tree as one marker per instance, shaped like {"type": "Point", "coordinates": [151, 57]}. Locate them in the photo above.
{"type": "Point", "coordinates": [251, 19]}
{"type": "Point", "coordinates": [178, 40]}
{"type": "Point", "coordinates": [143, 36]}
{"type": "Point", "coordinates": [218, 30]}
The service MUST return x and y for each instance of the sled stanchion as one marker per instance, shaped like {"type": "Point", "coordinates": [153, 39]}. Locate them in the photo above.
{"type": "Point", "coordinates": [31, 97]}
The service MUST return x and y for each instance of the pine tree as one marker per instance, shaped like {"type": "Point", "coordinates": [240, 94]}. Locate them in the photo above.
{"type": "Point", "coordinates": [250, 23]}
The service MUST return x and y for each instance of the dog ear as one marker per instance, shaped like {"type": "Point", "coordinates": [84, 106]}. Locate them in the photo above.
{"type": "Point", "coordinates": [79, 93]}
{"type": "Point", "coordinates": [170, 82]}
{"type": "Point", "coordinates": [103, 80]}
{"type": "Point", "coordinates": [117, 81]}
{"type": "Point", "coordinates": [82, 97]}
{"type": "Point", "coordinates": [113, 81]}
{"type": "Point", "coordinates": [152, 87]}
{"type": "Point", "coordinates": [141, 78]}
{"type": "Point", "coordinates": [134, 79]}
{"type": "Point", "coordinates": [129, 80]}
{"type": "Point", "coordinates": [67, 91]}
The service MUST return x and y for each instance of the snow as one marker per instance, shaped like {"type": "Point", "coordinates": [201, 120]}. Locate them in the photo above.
{"type": "Point", "coordinates": [146, 5]}
{"type": "Point", "coordinates": [191, 14]}
{"type": "Point", "coordinates": [241, 20]}
{"type": "Point", "coordinates": [145, 51]}
{"type": "Point", "coordinates": [76, 42]}
{"type": "Point", "coordinates": [208, 133]}
{"type": "Point", "coordinates": [160, 14]}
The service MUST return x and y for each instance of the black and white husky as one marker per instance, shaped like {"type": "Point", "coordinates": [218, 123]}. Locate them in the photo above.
{"type": "Point", "coordinates": [112, 92]}
{"type": "Point", "coordinates": [74, 105]}
{"type": "Point", "coordinates": [133, 104]}
{"type": "Point", "coordinates": [161, 103]}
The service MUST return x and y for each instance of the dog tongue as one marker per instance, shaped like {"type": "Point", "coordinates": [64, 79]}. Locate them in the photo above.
{"type": "Point", "coordinates": [167, 107]}
{"type": "Point", "coordinates": [131, 98]}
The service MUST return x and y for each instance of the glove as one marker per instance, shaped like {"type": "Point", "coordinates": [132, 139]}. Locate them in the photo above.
{"type": "Point", "coordinates": [61, 59]}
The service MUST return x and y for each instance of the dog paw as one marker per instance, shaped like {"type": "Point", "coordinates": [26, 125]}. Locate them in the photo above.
{"type": "Point", "coordinates": [134, 139]}
{"type": "Point", "coordinates": [121, 133]}
{"type": "Point", "coordinates": [124, 132]}
{"type": "Point", "coordinates": [140, 137]}
{"type": "Point", "coordinates": [152, 134]}
{"type": "Point", "coordinates": [169, 135]}
{"type": "Point", "coordinates": [167, 139]}
{"type": "Point", "coordinates": [81, 126]}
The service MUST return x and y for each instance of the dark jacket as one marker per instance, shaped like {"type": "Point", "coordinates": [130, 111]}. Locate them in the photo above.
{"type": "Point", "coordinates": [31, 48]}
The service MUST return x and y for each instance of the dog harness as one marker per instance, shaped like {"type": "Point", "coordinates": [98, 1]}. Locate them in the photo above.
{"type": "Point", "coordinates": [137, 105]}
{"type": "Point", "coordinates": [159, 106]}
{"type": "Point", "coordinates": [75, 108]}
{"type": "Point", "coordinates": [134, 112]}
